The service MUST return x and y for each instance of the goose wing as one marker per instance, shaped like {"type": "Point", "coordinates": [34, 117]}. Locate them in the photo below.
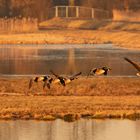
{"type": "Point", "coordinates": [54, 73]}
{"type": "Point", "coordinates": [62, 79]}
{"type": "Point", "coordinates": [133, 63]}
{"type": "Point", "coordinates": [75, 75]}
{"type": "Point", "coordinates": [91, 71]}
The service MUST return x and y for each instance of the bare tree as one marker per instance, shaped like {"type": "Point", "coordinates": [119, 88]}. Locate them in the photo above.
{"type": "Point", "coordinates": [41, 8]}
{"type": "Point", "coordinates": [71, 2]}
{"type": "Point", "coordinates": [126, 5]}
{"type": "Point", "coordinates": [32, 8]}
{"type": "Point", "coordinates": [5, 7]}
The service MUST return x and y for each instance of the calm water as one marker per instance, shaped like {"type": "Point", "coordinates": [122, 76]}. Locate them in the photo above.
{"type": "Point", "coordinates": [79, 130]}
{"type": "Point", "coordinates": [64, 59]}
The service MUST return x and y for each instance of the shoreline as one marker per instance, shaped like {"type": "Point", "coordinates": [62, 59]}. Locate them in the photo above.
{"type": "Point", "coordinates": [124, 39]}
{"type": "Point", "coordinates": [48, 110]}
{"type": "Point", "coordinates": [95, 86]}
{"type": "Point", "coordinates": [98, 99]}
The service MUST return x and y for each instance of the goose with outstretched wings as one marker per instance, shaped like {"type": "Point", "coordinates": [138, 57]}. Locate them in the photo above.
{"type": "Point", "coordinates": [65, 80]}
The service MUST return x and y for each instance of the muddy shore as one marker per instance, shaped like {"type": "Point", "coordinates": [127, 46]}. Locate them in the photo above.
{"type": "Point", "coordinates": [99, 98]}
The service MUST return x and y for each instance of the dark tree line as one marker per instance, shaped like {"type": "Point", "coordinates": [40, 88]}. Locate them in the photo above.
{"type": "Point", "coordinates": [115, 4]}
{"type": "Point", "coordinates": [40, 8]}
{"type": "Point", "coordinates": [25, 8]}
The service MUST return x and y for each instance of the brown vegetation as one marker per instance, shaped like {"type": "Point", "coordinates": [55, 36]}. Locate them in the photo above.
{"type": "Point", "coordinates": [126, 39]}
{"type": "Point", "coordinates": [102, 25]}
{"type": "Point", "coordinates": [25, 8]}
{"type": "Point", "coordinates": [98, 97]}
{"type": "Point", "coordinates": [69, 108]}
{"type": "Point", "coordinates": [40, 8]}
{"type": "Point", "coordinates": [126, 16]}
{"type": "Point", "coordinates": [92, 86]}
{"type": "Point", "coordinates": [122, 33]}
{"type": "Point", "coordinates": [17, 25]}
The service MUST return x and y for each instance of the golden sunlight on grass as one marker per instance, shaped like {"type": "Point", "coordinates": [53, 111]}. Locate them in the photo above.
{"type": "Point", "coordinates": [93, 97]}
{"type": "Point", "coordinates": [126, 15]}
{"type": "Point", "coordinates": [93, 86]}
{"type": "Point", "coordinates": [122, 33]}
{"type": "Point", "coordinates": [69, 108]}
{"type": "Point", "coordinates": [127, 39]}
{"type": "Point", "coordinates": [90, 24]}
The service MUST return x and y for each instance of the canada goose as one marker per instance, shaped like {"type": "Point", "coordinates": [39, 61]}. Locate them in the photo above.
{"type": "Point", "coordinates": [99, 71]}
{"type": "Point", "coordinates": [46, 79]}
{"type": "Point", "coordinates": [73, 77]}
{"type": "Point", "coordinates": [65, 80]}
{"type": "Point", "coordinates": [137, 66]}
{"type": "Point", "coordinates": [59, 78]}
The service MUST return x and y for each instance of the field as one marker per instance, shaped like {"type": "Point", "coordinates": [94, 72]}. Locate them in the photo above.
{"type": "Point", "coordinates": [97, 97]}
{"type": "Point", "coordinates": [60, 31]}
{"type": "Point", "coordinates": [93, 97]}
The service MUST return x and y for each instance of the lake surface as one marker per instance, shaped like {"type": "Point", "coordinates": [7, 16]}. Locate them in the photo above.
{"type": "Point", "coordinates": [78, 130]}
{"type": "Point", "coordinates": [65, 59]}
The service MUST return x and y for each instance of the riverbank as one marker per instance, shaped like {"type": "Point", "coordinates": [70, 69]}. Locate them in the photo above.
{"type": "Point", "coordinates": [99, 98]}
{"type": "Point", "coordinates": [92, 86]}
{"type": "Point", "coordinates": [73, 31]}
{"type": "Point", "coordinates": [126, 39]}
{"type": "Point", "coordinates": [69, 108]}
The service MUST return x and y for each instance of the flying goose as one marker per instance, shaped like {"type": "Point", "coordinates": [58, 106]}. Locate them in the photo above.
{"type": "Point", "coordinates": [73, 77]}
{"type": "Point", "coordinates": [59, 79]}
{"type": "Point", "coordinates": [65, 80]}
{"type": "Point", "coordinates": [137, 66]}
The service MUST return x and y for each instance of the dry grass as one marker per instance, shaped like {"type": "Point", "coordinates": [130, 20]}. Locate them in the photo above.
{"type": "Point", "coordinates": [126, 15]}
{"type": "Point", "coordinates": [119, 25]}
{"type": "Point", "coordinates": [18, 25]}
{"type": "Point", "coordinates": [93, 97]}
{"type": "Point", "coordinates": [121, 38]}
{"type": "Point", "coordinates": [69, 108]}
{"type": "Point", "coordinates": [121, 33]}
{"type": "Point", "coordinates": [93, 86]}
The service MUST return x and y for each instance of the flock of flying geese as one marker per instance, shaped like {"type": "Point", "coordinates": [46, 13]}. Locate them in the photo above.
{"type": "Point", "coordinates": [48, 80]}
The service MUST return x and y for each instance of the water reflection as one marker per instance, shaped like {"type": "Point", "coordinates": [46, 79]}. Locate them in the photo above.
{"type": "Point", "coordinates": [79, 130]}
{"type": "Point", "coordinates": [65, 59]}
{"type": "Point", "coordinates": [71, 61]}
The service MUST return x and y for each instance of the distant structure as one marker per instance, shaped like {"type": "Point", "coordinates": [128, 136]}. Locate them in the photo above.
{"type": "Point", "coordinates": [70, 9]}
{"type": "Point", "coordinates": [78, 12]}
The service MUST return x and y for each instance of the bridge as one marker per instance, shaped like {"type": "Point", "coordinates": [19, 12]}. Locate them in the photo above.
{"type": "Point", "coordinates": [78, 12]}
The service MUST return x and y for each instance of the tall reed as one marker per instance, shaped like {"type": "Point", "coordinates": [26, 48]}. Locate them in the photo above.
{"type": "Point", "coordinates": [18, 25]}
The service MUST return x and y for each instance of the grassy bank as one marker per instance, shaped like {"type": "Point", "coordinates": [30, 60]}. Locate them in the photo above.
{"type": "Point", "coordinates": [83, 98]}
{"type": "Point", "coordinates": [121, 38]}
{"type": "Point", "coordinates": [124, 34]}
{"type": "Point", "coordinates": [90, 24]}
{"type": "Point", "coordinates": [93, 86]}
{"type": "Point", "coordinates": [69, 108]}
